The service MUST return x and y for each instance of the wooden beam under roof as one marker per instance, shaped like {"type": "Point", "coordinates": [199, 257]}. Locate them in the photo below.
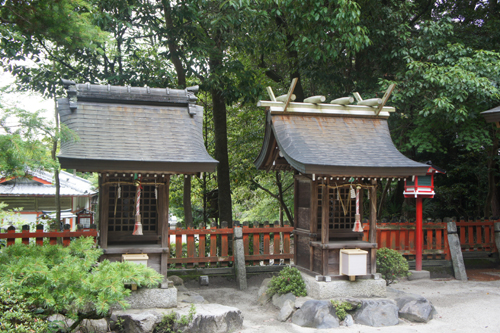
{"type": "Point", "coordinates": [326, 109]}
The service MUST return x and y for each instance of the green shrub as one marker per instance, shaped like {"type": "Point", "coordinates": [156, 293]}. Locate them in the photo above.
{"type": "Point", "coordinates": [391, 264]}
{"type": "Point", "coordinates": [69, 280]}
{"type": "Point", "coordinates": [16, 316]}
{"type": "Point", "coordinates": [341, 308]}
{"type": "Point", "coordinates": [288, 280]}
{"type": "Point", "coordinates": [170, 323]}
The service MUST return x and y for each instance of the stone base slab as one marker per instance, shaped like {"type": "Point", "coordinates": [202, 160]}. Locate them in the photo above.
{"type": "Point", "coordinates": [343, 288]}
{"type": "Point", "coordinates": [419, 275]}
{"type": "Point", "coordinates": [152, 298]}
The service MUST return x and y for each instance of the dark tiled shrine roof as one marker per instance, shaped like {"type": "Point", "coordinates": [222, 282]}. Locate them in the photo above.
{"type": "Point", "coordinates": [133, 129]}
{"type": "Point", "coordinates": [335, 145]}
{"type": "Point", "coordinates": [493, 115]}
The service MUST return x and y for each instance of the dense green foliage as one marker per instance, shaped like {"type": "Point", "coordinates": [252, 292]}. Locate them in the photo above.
{"type": "Point", "coordinates": [68, 280]}
{"type": "Point", "coordinates": [16, 316]}
{"type": "Point", "coordinates": [443, 56]}
{"type": "Point", "coordinates": [25, 142]}
{"type": "Point", "coordinates": [391, 264]}
{"type": "Point", "coordinates": [288, 280]}
{"type": "Point", "coordinates": [342, 308]}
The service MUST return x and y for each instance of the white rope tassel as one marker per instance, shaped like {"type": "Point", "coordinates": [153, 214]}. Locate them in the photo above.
{"type": "Point", "coordinates": [138, 225]}
{"type": "Point", "coordinates": [156, 191]}
{"type": "Point", "coordinates": [353, 193]}
{"type": "Point", "coordinates": [357, 223]}
{"type": "Point", "coordinates": [119, 190]}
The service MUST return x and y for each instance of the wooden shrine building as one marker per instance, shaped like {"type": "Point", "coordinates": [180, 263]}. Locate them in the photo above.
{"type": "Point", "coordinates": [337, 152]}
{"type": "Point", "coordinates": [135, 138]}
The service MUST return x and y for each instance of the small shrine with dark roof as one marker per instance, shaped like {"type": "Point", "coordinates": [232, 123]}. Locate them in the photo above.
{"type": "Point", "coordinates": [338, 152]}
{"type": "Point", "coordinates": [135, 138]}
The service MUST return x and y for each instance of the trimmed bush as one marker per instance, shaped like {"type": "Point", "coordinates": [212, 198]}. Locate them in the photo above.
{"type": "Point", "coordinates": [69, 280]}
{"type": "Point", "coordinates": [288, 280]}
{"type": "Point", "coordinates": [391, 264]}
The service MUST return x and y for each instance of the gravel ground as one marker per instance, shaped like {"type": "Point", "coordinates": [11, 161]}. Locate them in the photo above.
{"type": "Point", "coordinates": [472, 306]}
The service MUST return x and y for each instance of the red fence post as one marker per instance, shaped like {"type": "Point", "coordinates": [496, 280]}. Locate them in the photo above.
{"type": "Point", "coordinates": [66, 239]}
{"type": "Point", "coordinates": [190, 247]}
{"type": "Point", "coordinates": [213, 242]}
{"type": "Point", "coordinates": [286, 242]}
{"type": "Point", "coordinates": [276, 242]}
{"type": "Point", "coordinates": [26, 229]}
{"type": "Point", "coordinates": [178, 245]}
{"type": "Point", "coordinates": [246, 241]}
{"type": "Point", "coordinates": [266, 236]}
{"type": "Point", "coordinates": [39, 229]}
{"type": "Point", "coordinates": [256, 243]}
{"type": "Point", "coordinates": [11, 230]}
{"type": "Point", "coordinates": [201, 246]}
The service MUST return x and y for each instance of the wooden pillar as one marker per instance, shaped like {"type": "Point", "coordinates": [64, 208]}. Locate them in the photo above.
{"type": "Point", "coordinates": [419, 236]}
{"type": "Point", "coordinates": [295, 217]}
{"type": "Point", "coordinates": [372, 238]}
{"type": "Point", "coordinates": [103, 212]}
{"type": "Point", "coordinates": [325, 230]}
{"type": "Point", "coordinates": [313, 220]}
{"type": "Point", "coordinates": [163, 215]}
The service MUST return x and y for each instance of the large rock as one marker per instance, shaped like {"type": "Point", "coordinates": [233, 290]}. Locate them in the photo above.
{"type": "Point", "coordinates": [348, 321]}
{"type": "Point", "coordinates": [286, 310]}
{"type": "Point", "coordinates": [415, 308]}
{"type": "Point", "coordinates": [178, 281]}
{"type": "Point", "coordinates": [316, 314]}
{"type": "Point", "coordinates": [213, 318]}
{"type": "Point", "coordinates": [94, 326]}
{"type": "Point", "coordinates": [60, 320]}
{"type": "Point", "coordinates": [377, 313]}
{"type": "Point", "coordinates": [144, 322]}
{"type": "Point", "coordinates": [145, 298]}
{"type": "Point", "coordinates": [299, 301]}
{"type": "Point", "coordinates": [279, 300]}
{"type": "Point", "coordinates": [263, 295]}
{"type": "Point", "coordinates": [263, 286]}
{"type": "Point", "coordinates": [192, 297]}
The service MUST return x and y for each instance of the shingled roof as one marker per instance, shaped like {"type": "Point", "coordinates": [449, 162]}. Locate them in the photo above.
{"type": "Point", "coordinates": [493, 115]}
{"type": "Point", "coordinates": [133, 129]}
{"type": "Point", "coordinates": [332, 142]}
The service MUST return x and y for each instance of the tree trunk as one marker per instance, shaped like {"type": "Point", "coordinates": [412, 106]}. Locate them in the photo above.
{"type": "Point", "coordinates": [172, 46]}
{"type": "Point", "coordinates": [382, 198]}
{"type": "Point", "coordinates": [188, 214]}
{"type": "Point", "coordinates": [56, 168]}
{"type": "Point", "coordinates": [221, 155]}
{"type": "Point", "coordinates": [181, 83]}
{"type": "Point", "coordinates": [280, 197]}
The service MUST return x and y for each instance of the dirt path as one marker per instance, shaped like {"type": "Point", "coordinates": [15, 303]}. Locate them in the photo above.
{"type": "Point", "coordinates": [472, 306]}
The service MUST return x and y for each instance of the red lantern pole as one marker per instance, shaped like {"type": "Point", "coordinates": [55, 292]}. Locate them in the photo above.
{"type": "Point", "coordinates": [419, 235]}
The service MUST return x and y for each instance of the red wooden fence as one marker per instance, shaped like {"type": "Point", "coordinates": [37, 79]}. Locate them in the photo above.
{"type": "Point", "coordinates": [255, 253]}
{"type": "Point", "coordinates": [11, 235]}
{"type": "Point", "coordinates": [474, 236]}
{"type": "Point", "coordinates": [477, 235]}
{"type": "Point", "coordinates": [401, 237]}
{"type": "Point", "coordinates": [197, 252]}
{"type": "Point", "coordinates": [202, 245]}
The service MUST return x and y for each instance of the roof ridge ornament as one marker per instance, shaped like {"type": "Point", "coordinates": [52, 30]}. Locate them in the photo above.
{"type": "Point", "coordinates": [374, 107]}
{"type": "Point", "coordinates": [71, 90]}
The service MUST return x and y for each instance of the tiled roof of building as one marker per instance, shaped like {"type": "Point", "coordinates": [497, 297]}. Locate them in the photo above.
{"type": "Point", "coordinates": [70, 185]}
{"type": "Point", "coordinates": [335, 145]}
{"type": "Point", "coordinates": [493, 115]}
{"type": "Point", "coordinates": [133, 129]}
